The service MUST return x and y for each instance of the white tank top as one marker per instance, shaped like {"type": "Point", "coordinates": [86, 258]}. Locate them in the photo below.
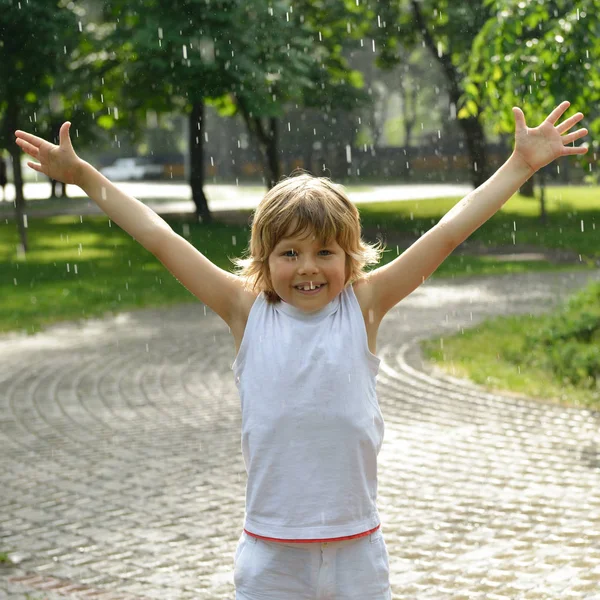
{"type": "Point", "coordinates": [311, 423]}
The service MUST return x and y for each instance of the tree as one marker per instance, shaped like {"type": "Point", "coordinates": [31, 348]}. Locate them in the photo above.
{"type": "Point", "coordinates": [447, 29]}
{"type": "Point", "coordinates": [248, 58]}
{"type": "Point", "coordinates": [535, 55]}
{"type": "Point", "coordinates": [36, 47]}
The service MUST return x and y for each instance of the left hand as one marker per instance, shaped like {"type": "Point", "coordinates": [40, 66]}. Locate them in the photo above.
{"type": "Point", "coordinates": [541, 145]}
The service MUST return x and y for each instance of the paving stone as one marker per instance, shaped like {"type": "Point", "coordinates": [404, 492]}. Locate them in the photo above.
{"type": "Point", "coordinates": [122, 477]}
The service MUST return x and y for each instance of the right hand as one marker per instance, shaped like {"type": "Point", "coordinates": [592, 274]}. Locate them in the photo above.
{"type": "Point", "coordinates": [57, 162]}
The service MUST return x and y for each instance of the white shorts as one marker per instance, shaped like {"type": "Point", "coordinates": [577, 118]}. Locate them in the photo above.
{"type": "Point", "coordinates": [355, 569]}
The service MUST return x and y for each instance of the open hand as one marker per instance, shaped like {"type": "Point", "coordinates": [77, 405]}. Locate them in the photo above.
{"type": "Point", "coordinates": [57, 162]}
{"type": "Point", "coordinates": [541, 145]}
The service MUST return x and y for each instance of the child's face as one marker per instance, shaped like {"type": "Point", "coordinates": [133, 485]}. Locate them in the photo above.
{"type": "Point", "coordinates": [298, 260]}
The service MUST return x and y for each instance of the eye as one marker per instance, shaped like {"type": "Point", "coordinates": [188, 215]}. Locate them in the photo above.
{"type": "Point", "coordinates": [287, 253]}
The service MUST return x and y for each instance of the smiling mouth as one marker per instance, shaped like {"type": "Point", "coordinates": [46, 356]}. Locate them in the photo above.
{"type": "Point", "coordinates": [310, 289]}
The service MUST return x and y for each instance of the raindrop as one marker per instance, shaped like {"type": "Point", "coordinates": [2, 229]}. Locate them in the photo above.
{"type": "Point", "coordinates": [348, 153]}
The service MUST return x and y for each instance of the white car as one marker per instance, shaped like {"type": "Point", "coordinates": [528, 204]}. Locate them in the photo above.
{"type": "Point", "coordinates": [124, 169]}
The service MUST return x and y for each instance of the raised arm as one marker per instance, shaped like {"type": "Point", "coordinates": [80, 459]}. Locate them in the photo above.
{"type": "Point", "coordinates": [62, 164]}
{"type": "Point", "coordinates": [223, 292]}
{"type": "Point", "coordinates": [534, 149]}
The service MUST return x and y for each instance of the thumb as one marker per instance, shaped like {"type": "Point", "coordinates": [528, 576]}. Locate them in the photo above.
{"type": "Point", "coordinates": [63, 135]}
{"type": "Point", "coordinates": [519, 118]}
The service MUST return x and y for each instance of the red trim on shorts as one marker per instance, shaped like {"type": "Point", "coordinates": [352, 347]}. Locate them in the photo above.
{"type": "Point", "coordinates": [340, 539]}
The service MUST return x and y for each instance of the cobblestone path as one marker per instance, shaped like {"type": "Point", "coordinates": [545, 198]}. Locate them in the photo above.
{"type": "Point", "coordinates": [122, 476]}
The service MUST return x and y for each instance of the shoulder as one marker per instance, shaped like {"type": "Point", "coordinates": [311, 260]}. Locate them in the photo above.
{"type": "Point", "coordinates": [244, 304]}
{"type": "Point", "coordinates": [246, 299]}
{"type": "Point", "coordinates": [364, 292]}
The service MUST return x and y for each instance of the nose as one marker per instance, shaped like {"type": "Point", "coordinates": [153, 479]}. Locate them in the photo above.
{"type": "Point", "coordinates": [307, 264]}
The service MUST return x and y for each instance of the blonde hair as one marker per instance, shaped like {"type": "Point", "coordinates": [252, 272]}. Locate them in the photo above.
{"type": "Point", "coordinates": [310, 204]}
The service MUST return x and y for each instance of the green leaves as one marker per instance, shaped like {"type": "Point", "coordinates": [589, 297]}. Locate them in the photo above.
{"type": "Point", "coordinates": [570, 341]}
{"type": "Point", "coordinates": [538, 54]}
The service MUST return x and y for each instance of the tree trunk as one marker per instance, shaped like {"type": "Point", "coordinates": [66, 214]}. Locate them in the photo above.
{"type": "Point", "coordinates": [527, 189]}
{"type": "Point", "coordinates": [19, 197]}
{"type": "Point", "coordinates": [12, 118]}
{"type": "Point", "coordinates": [542, 186]}
{"type": "Point", "coordinates": [271, 152]}
{"type": "Point", "coordinates": [471, 127]}
{"type": "Point", "coordinates": [475, 135]}
{"type": "Point", "coordinates": [196, 150]}
{"type": "Point", "coordinates": [267, 141]}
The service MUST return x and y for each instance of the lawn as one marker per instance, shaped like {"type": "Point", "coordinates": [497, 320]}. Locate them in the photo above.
{"type": "Point", "coordinates": [82, 267]}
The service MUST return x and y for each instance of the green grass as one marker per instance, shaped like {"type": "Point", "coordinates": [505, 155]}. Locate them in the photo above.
{"type": "Point", "coordinates": [76, 269]}
{"type": "Point", "coordinates": [573, 219]}
{"type": "Point", "coordinates": [82, 267]}
{"type": "Point", "coordinates": [496, 356]}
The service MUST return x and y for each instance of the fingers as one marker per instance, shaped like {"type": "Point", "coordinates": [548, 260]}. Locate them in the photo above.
{"type": "Point", "coordinates": [574, 150]}
{"type": "Point", "coordinates": [28, 148]}
{"type": "Point", "coordinates": [566, 125]}
{"type": "Point", "coordinates": [28, 137]}
{"type": "Point", "coordinates": [567, 139]}
{"type": "Point", "coordinates": [558, 112]}
{"type": "Point", "coordinates": [36, 167]}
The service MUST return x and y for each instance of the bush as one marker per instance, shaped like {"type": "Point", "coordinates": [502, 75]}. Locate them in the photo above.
{"type": "Point", "coordinates": [569, 342]}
